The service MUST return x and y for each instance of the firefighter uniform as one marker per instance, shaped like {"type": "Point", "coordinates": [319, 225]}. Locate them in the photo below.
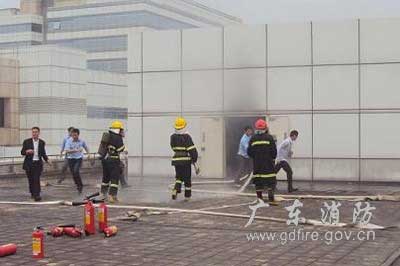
{"type": "Point", "coordinates": [185, 154]}
{"type": "Point", "coordinates": [111, 162]}
{"type": "Point", "coordinates": [262, 149]}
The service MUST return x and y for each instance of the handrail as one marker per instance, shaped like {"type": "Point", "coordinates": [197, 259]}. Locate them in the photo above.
{"type": "Point", "coordinates": [49, 155]}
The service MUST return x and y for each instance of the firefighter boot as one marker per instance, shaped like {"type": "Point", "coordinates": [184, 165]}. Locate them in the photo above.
{"type": "Point", "coordinates": [271, 197]}
{"type": "Point", "coordinates": [188, 193]}
{"type": "Point", "coordinates": [113, 199]}
{"type": "Point", "coordinates": [178, 185]}
{"type": "Point", "coordinates": [174, 194]}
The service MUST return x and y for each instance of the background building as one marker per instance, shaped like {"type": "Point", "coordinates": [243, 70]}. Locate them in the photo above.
{"type": "Point", "coordinates": [19, 30]}
{"type": "Point", "coordinates": [55, 91]}
{"type": "Point", "coordinates": [101, 27]}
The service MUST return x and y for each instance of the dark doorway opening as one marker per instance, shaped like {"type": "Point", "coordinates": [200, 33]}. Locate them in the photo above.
{"type": "Point", "coordinates": [234, 129]}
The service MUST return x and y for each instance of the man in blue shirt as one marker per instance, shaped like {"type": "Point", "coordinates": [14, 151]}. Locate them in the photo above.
{"type": "Point", "coordinates": [245, 166]}
{"type": "Point", "coordinates": [74, 148]}
{"type": "Point", "coordinates": [65, 163]}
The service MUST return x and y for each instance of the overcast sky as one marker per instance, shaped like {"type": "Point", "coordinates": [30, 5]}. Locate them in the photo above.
{"type": "Point", "coordinates": [267, 11]}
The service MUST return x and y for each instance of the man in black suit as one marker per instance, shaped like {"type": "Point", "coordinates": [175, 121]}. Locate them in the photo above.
{"type": "Point", "coordinates": [34, 151]}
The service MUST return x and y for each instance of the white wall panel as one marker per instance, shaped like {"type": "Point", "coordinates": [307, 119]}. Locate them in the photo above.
{"type": "Point", "coordinates": [336, 169]}
{"type": "Point", "coordinates": [336, 135]}
{"type": "Point", "coordinates": [289, 88]}
{"type": "Point", "coordinates": [336, 87]}
{"type": "Point", "coordinates": [158, 167]}
{"type": "Point", "coordinates": [133, 136]}
{"type": "Point", "coordinates": [302, 169]}
{"type": "Point", "coordinates": [156, 136]}
{"type": "Point", "coordinates": [335, 42]}
{"type": "Point", "coordinates": [245, 46]}
{"type": "Point", "coordinates": [161, 50]}
{"type": "Point", "coordinates": [289, 44]}
{"type": "Point", "coordinates": [302, 147]}
{"type": "Point", "coordinates": [380, 40]}
{"type": "Point", "coordinates": [380, 86]}
{"type": "Point", "coordinates": [134, 52]}
{"type": "Point", "coordinates": [245, 90]}
{"type": "Point", "coordinates": [202, 90]}
{"type": "Point", "coordinates": [161, 92]}
{"type": "Point", "coordinates": [380, 135]}
{"type": "Point", "coordinates": [380, 170]}
{"type": "Point", "coordinates": [202, 48]}
{"type": "Point", "coordinates": [134, 166]}
{"type": "Point", "coordinates": [134, 93]}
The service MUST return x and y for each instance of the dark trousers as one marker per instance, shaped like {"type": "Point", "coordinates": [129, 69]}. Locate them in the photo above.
{"type": "Point", "coordinates": [289, 172]}
{"type": "Point", "coordinates": [33, 173]}
{"type": "Point", "coordinates": [245, 167]}
{"type": "Point", "coordinates": [64, 166]}
{"type": "Point", "coordinates": [183, 174]}
{"type": "Point", "coordinates": [268, 183]}
{"type": "Point", "coordinates": [111, 176]}
{"type": "Point", "coordinates": [74, 167]}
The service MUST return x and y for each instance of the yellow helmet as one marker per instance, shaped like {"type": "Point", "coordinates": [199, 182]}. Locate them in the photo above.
{"type": "Point", "coordinates": [180, 123]}
{"type": "Point", "coordinates": [117, 125]}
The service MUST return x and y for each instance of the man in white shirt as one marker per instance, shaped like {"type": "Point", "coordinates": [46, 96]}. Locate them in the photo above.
{"type": "Point", "coordinates": [283, 158]}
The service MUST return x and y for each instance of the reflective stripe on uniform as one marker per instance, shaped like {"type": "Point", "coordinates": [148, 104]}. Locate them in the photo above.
{"type": "Point", "coordinates": [114, 156]}
{"type": "Point", "coordinates": [178, 181]}
{"type": "Point", "coordinates": [111, 147]}
{"type": "Point", "coordinates": [121, 148]}
{"type": "Point", "coordinates": [188, 188]}
{"type": "Point", "coordinates": [264, 175]}
{"type": "Point", "coordinates": [179, 148]}
{"type": "Point", "coordinates": [182, 159]}
{"type": "Point", "coordinates": [105, 184]}
{"type": "Point", "coordinates": [191, 148]}
{"type": "Point", "coordinates": [114, 185]}
{"type": "Point", "coordinates": [260, 142]}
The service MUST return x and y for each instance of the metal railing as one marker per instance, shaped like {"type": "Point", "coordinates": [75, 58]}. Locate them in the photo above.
{"type": "Point", "coordinates": [12, 165]}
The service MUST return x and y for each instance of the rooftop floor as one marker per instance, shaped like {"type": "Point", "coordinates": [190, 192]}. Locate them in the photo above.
{"type": "Point", "coordinates": [196, 239]}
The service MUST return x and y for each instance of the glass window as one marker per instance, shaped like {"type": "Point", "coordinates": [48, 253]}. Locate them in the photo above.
{"type": "Point", "coordinates": [37, 28]}
{"type": "Point", "coordinates": [94, 45]}
{"type": "Point", "coordinates": [10, 45]}
{"type": "Point", "coordinates": [119, 65]}
{"type": "Point", "coordinates": [115, 20]}
{"type": "Point", "coordinates": [27, 27]}
{"type": "Point", "coordinates": [2, 112]}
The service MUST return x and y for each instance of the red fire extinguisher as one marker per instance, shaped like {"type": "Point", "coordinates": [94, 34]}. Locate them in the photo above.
{"type": "Point", "coordinates": [37, 243]}
{"type": "Point", "coordinates": [89, 218]}
{"type": "Point", "coordinates": [102, 216]}
{"type": "Point", "coordinates": [110, 231]}
{"type": "Point", "coordinates": [8, 249]}
{"type": "Point", "coordinates": [56, 231]}
{"type": "Point", "coordinates": [73, 231]}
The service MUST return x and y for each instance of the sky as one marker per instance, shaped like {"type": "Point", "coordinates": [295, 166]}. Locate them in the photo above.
{"type": "Point", "coordinates": [270, 11]}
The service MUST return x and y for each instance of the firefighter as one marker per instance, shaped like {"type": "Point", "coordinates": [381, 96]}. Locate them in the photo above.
{"type": "Point", "coordinates": [262, 149]}
{"type": "Point", "coordinates": [113, 146]}
{"type": "Point", "coordinates": [185, 154]}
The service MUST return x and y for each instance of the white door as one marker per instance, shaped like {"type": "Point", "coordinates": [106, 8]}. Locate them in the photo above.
{"type": "Point", "coordinates": [279, 127]}
{"type": "Point", "coordinates": [212, 147]}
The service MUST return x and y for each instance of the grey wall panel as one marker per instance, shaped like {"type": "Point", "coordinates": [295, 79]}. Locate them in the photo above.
{"type": "Point", "coordinates": [245, 89]}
